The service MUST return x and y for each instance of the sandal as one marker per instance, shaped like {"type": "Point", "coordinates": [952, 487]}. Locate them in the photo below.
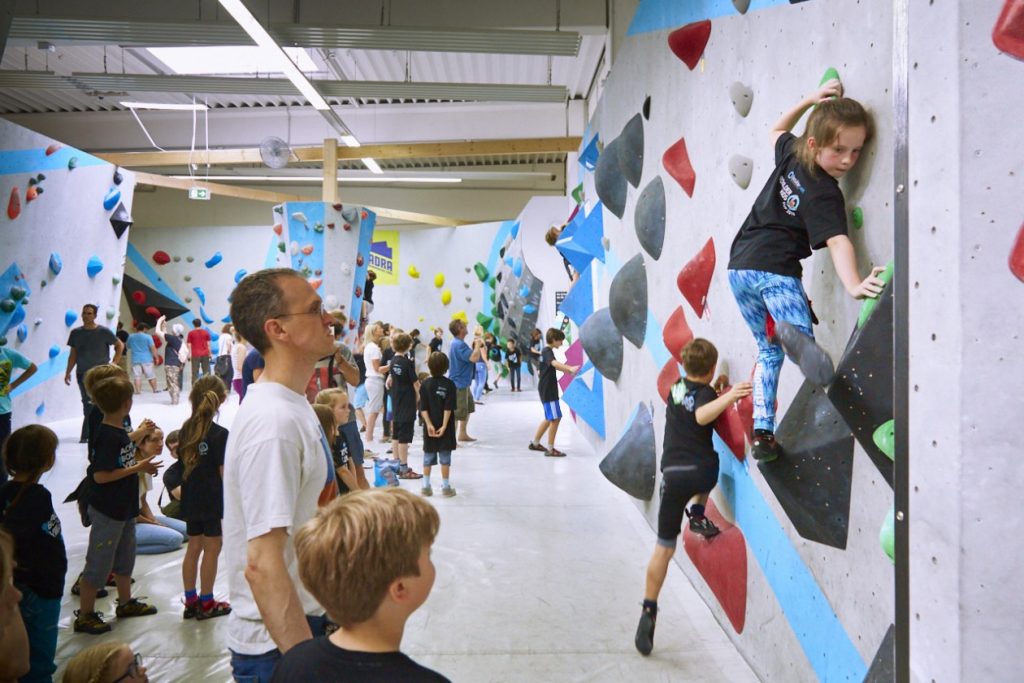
{"type": "Point", "coordinates": [409, 474]}
{"type": "Point", "coordinates": [212, 610]}
{"type": "Point", "coordinates": [554, 453]}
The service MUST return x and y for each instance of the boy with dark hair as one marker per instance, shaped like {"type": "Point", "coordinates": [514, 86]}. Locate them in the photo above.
{"type": "Point", "coordinates": [366, 559]}
{"type": "Point", "coordinates": [403, 386]}
{"type": "Point", "coordinates": [689, 469]}
{"type": "Point", "coordinates": [547, 386]}
{"type": "Point", "coordinates": [437, 408]}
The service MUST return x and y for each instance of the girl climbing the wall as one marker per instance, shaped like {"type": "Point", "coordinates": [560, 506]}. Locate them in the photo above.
{"type": "Point", "coordinates": [800, 208]}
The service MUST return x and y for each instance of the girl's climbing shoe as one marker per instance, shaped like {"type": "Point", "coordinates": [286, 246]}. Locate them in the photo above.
{"type": "Point", "coordinates": [764, 448]}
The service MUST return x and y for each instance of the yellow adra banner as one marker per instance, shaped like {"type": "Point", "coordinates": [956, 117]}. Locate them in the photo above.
{"type": "Point", "coordinates": [384, 256]}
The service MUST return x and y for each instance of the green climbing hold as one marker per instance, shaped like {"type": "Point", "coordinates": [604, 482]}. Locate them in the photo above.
{"type": "Point", "coordinates": [7, 305]}
{"type": "Point", "coordinates": [72, 163]}
{"type": "Point", "coordinates": [885, 438]}
{"type": "Point", "coordinates": [887, 535]}
{"type": "Point", "coordinates": [830, 74]}
{"type": "Point", "coordinates": [484, 320]}
{"type": "Point", "coordinates": [481, 272]}
{"type": "Point", "coordinates": [492, 282]}
{"type": "Point", "coordinates": [857, 217]}
{"type": "Point", "coordinates": [18, 293]}
{"type": "Point", "coordinates": [577, 194]}
{"type": "Point", "coordinates": [869, 305]}
{"type": "Point", "coordinates": [281, 247]}
{"type": "Point", "coordinates": [493, 299]}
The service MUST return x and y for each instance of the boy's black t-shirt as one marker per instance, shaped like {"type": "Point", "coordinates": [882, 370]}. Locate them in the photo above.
{"type": "Point", "coordinates": [38, 543]}
{"type": "Point", "coordinates": [321, 660]}
{"type": "Point", "coordinates": [202, 491]}
{"type": "Point", "coordinates": [513, 358]}
{"type": "Point", "coordinates": [685, 440]}
{"type": "Point", "coordinates": [113, 450]}
{"type": "Point", "coordinates": [547, 383]}
{"type": "Point", "coordinates": [403, 394]}
{"type": "Point", "coordinates": [95, 418]}
{"type": "Point", "coordinates": [437, 394]}
{"type": "Point", "coordinates": [173, 477]}
{"type": "Point", "coordinates": [796, 211]}
{"type": "Point", "coordinates": [340, 455]}
{"type": "Point", "coordinates": [435, 345]}
{"type": "Point", "coordinates": [361, 364]}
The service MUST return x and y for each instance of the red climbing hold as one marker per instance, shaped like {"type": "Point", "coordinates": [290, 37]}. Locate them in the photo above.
{"type": "Point", "coordinates": [1017, 255]}
{"type": "Point", "coordinates": [730, 426]}
{"type": "Point", "coordinates": [307, 249]}
{"type": "Point", "coordinates": [347, 226]}
{"type": "Point", "coordinates": [359, 259]}
{"type": "Point", "coordinates": [153, 311]}
{"type": "Point", "coordinates": [330, 226]}
{"type": "Point", "coordinates": [161, 258]}
{"type": "Point", "coordinates": [695, 278]}
{"type": "Point", "coordinates": [139, 297]}
{"type": "Point", "coordinates": [668, 376]}
{"type": "Point", "coordinates": [277, 229]}
{"type": "Point", "coordinates": [688, 42]}
{"type": "Point", "coordinates": [337, 207]}
{"type": "Point", "coordinates": [722, 562]}
{"type": "Point", "coordinates": [31, 193]}
{"type": "Point", "coordinates": [359, 291]}
{"type": "Point", "coordinates": [14, 205]}
{"type": "Point", "coordinates": [364, 215]}
{"type": "Point", "coordinates": [677, 162]}
{"type": "Point", "coordinates": [315, 283]}
{"type": "Point", "coordinates": [677, 333]}
{"type": "Point", "coordinates": [1008, 34]}
{"type": "Point", "coordinates": [52, 148]}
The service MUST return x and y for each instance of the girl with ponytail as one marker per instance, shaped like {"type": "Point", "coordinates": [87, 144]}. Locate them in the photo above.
{"type": "Point", "coordinates": [201, 448]}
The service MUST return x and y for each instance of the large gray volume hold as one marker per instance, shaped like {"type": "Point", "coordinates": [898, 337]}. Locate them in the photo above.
{"type": "Point", "coordinates": [609, 181]}
{"type": "Point", "coordinates": [632, 463]}
{"type": "Point", "coordinates": [627, 300]}
{"type": "Point", "coordinates": [631, 150]}
{"type": "Point", "coordinates": [602, 343]}
{"type": "Point", "coordinates": [649, 218]}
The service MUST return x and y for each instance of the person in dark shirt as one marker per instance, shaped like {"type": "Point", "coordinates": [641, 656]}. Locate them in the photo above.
{"type": "Point", "coordinates": [26, 512]}
{"type": "Point", "coordinates": [403, 386]}
{"type": "Point", "coordinates": [113, 504]}
{"type": "Point", "coordinates": [90, 346]}
{"type": "Point", "coordinates": [437, 408]}
{"type": "Point", "coordinates": [252, 368]}
{"type": "Point", "coordinates": [547, 386]}
{"type": "Point", "coordinates": [201, 447]}
{"type": "Point", "coordinates": [356, 578]}
{"type": "Point", "coordinates": [800, 208]}
{"type": "Point", "coordinates": [173, 478]}
{"type": "Point", "coordinates": [331, 407]}
{"type": "Point", "coordinates": [514, 361]}
{"type": "Point", "coordinates": [437, 341]}
{"type": "Point", "coordinates": [689, 469]}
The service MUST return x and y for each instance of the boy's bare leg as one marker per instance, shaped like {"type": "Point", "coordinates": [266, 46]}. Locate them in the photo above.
{"type": "Point", "coordinates": [87, 596]}
{"type": "Point", "coordinates": [124, 588]}
{"type": "Point", "coordinates": [539, 434]}
{"type": "Point", "coordinates": [657, 569]}
{"type": "Point", "coordinates": [208, 568]}
{"type": "Point", "coordinates": [552, 431]}
{"type": "Point", "coordinates": [463, 434]}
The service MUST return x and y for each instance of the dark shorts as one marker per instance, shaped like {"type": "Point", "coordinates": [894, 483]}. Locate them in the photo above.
{"type": "Point", "coordinates": [464, 404]}
{"type": "Point", "coordinates": [680, 483]}
{"type": "Point", "coordinates": [552, 410]}
{"type": "Point", "coordinates": [203, 527]}
{"type": "Point", "coordinates": [403, 431]}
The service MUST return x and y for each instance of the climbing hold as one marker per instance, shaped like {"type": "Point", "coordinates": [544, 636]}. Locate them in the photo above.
{"type": "Point", "coordinates": [606, 243]}
{"type": "Point", "coordinates": [52, 147]}
{"type": "Point", "coordinates": [830, 75]}
{"type": "Point", "coordinates": [40, 409]}
{"type": "Point", "coordinates": [307, 249]}
{"type": "Point", "coordinates": [577, 194]}
{"type": "Point", "coordinates": [278, 229]}
{"type": "Point", "coordinates": [116, 280]}
{"type": "Point", "coordinates": [741, 168]}
{"type": "Point", "coordinates": [188, 299]}
{"type": "Point", "coordinates": [517, 267]}
{"type": "Point", "coordinates": [139, 296]}
{"type": "Point", "coordinates": [72, 163]}
{"type": "Point", "coordinates": [111, 199]}
{"type": "Point", "coordinates": [439, 280]}
{"type": "Point", "coordinates": [359, 260]}
{"type": "Point", "coordinates": [668, 376]}
{"type": "Point", "coordinates": [646, 108]}
{"type": "Point", "coordinates": [14, 204]}
{"type": "Point", "coordinates": [30, 194]}
{"type": "Point", "coordinates": [337, 207]}
{"type": "Point", "coordinates": [190, 259]}
{"type": "Point", "coordinates": [631, 464]}
{"type": "Point", "coordinates": [70, 317]}
{"type": "Point", "coordinates": [508, 260]}
{"type": "Point", "coordinates": [413, 273]}
{"type": "Point", "coordinates": [299, 217]}
{"type": "Point", "coordinates": [1008, 33]}
{"type": "Point", "coordinates": [529, 309]}
{"type": "Point", "coordinates": [631, 150]}
{"type": "Point", "coordinates": [676, 333]}
{"type": "Point", "coordinates": [722, 563]}
{"type": "Point", "coordinates": [649, 218]}
{"type": "Point", "coordinates": [742, 98]}
{"type": "Point", "coordinates": [315, 283]}
{"type": "Point", "coordinates": [120, 220]}
{"type": "Point", "coordinates": [1017, 255]}
{"type": "Point", "coordinates": [514, 232]}
{"type": "Point", "coordinates": [815, 364]}
{"type": "Point", "coordinates": [118, 178]}
{"type": "Point", "coordinates": [200, 293]}
{"type": "Point", "coordinates": [294, 248]}
{"type": "Point", "coordinates": [483, 319]}
{"type": "Point", "coordinates": [887, 534]}
{"type": "Point", "coordinates": [318, 227]}
{"type": "Point", "coordinates": [282, 247]}
{"type": "Point", "coordinates": [7, 305]}
{"type": "Point", "coordinates": [18, 293]}
{"type": "Point", "coordinates": [676, 161]}
{"type": "Point", "coordinates": [37, 322]}
{"type": "Point", "coordinates": [609, 181]}
{"type": "Point", "coordinates": [481, 272]}
{"type": "Point", "coordinates": [602, 343]}
{"type": "Point", "coordinates": [206, 319]}
{"type": "Point", "coordinates": [688, 42]}
{"type": "Point", "coordinates": [161, 258]}
{"type": "Point", "coordinates": [446, 297]}
{"type": "Point", "coordinates": [177, 259]}
{"type": "Point", "coordinates": [857, 217]}
{"type": "Point", "coordinates": [741, 5]}
{"type": "Point", "coordinates": [460, 315]}
{"type": "Point", "coordinates": [214, 260]}
{"type": "Point", "coordinates": [94, 266]}
{"type": "Point", "coordinates": [54, 351]}
{"type": "Point", "coordinates": [694, 279]}
{"type": "Point", "coordinates": [885, 438]}
{"type": "Point", "coordinates": [153, 312]}
{"type": "Point", "coordinates": [869, 304]}
{"type": "Point", "coordinates": [524, 291]}
{"type": "Point", "coordinates": [627, 300]}
{"type": "Point", "coordinates": [188, 278]}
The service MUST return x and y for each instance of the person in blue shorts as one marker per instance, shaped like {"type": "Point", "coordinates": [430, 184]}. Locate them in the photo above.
{"type": "Point", "coordinates": [547, 386]}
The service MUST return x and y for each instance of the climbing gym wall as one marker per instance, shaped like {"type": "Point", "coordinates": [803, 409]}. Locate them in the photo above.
{"type": "Point", "coordinates": [62, 245]}
{"type": "Point", "coordinates": [677, 151]}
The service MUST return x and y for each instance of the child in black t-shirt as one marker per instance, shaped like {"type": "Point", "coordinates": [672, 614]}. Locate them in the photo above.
{"type": "Point", "coordinates": [113, 505]}
{"type": "Point", "coordinates": [514, 361]}
{"type": "Point", "coordinates": [547, 386]}
{"type": "Point", "coordinates": [26, 512]}
{"type": "Point", "coordinates": [369, 588]}
{"type": "Point", "coordinates": [328, 414]}
{"type": "Point", "coordinates": [437, 405]}
{"type": "Point", "coordinates": [201, 447]}
{"type": "Point", "coordinates": [800, 208]}
{"type": "Point", "coordinates": [402, 386]}
{"type": "Point", "coordinates": [689, 468]}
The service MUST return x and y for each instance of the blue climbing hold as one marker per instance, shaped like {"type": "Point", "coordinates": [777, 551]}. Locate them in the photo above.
{"type": "Point", "coordinates": [517, 267]}
{"type": "Point", "coordinates": [524, 291]}
{"type": "Point", "coordinates": [508, 261]}
{"type": "Point", "coordinates": [54, 351]}
{"type": "Point", "coordinates": [226, 319]}
{"type": "Point", "coordinates": [213, 335]}
{"type": "Point", "coordinates": [529, 309]}
{"type": "Point", "coordinates": [94, 266]}
{"type": "Point", "coordinates": [240, 274]}
{"type": "Point", "coordinates": [515, 231]}
{"type": "Point", "coordinates": [214, 260]}
{"type": "Point", "coordinates": [112, 198]}
{"type": "Point", "coordinates": [17, 315]}
{"type": "Point", "coordinates": [70, 317]}
{"type": "Point", "coordinates": [199, 292]}
{"type": "Point", "coordinates": [202, 314]}
{"type": "Point", "coordinates": [40, 409]}
{"type": "Point", "coordinates": [55, 263]}
{"type": "Point", "coordinates": [22, 332]}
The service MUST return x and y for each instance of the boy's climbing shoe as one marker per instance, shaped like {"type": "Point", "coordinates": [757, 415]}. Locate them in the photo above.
{"type": "Point", "coordinates": [554, 453]}
{"type": "Point", "coordinates": [76, 588]}
{"type": "Point", "coordinates": [764, 448]}
{"type": "Point", "coordinates": [537, 447]}
{"type": "Point", "coordinates": [427, 491]}
{"type": "Point", "coordinates": [134, 608]}
{"type": "Point", "coordinates": [212, 609]}
{"type": "Point", "coordinates": [815, 364]}
{"type": "Point", "coordinates": [90, 622]}
{"type": "Point", "coordinates": [702, 526]}
{"type": "Point", "coordinates": [447, 491]}
{"type": "Point", "coordinates": [644, 640]}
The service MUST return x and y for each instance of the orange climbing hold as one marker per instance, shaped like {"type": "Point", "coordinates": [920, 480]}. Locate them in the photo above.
{"type": "Point", "coordinates": [695, 278]}
{"type": "Point", "coordinates": [14, 204]}
{"type": "Point", "coordinates": [1008, 34]}
{"type": "Point", "coordinates": [688, 42]}
{"type": "Point", "coordinates": [677, 162]}
{"type": "Point", "coordinates": [1017, 255]}
{"type": "Point", "coordinates": [307, 249]}
{"type": "Point", "coordinates": [277, 229]}
{"type": "Point", "coordinates": [31, 193]}
{"type": "Point", "coordinates": [52, 148]}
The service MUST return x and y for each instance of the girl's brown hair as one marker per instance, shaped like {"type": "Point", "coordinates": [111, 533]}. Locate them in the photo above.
{"type": "Point", "coordinates": [207, 394]}
{"type": "Point", "coordinates": [824, 124]}
{"type": "Point", "coordinates": [325, 414]}
{"type": "Point", "coordinates": [30, 450]}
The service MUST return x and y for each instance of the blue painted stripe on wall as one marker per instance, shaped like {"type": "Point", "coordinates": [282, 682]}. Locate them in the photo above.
{"type": "Point", "coordinates": [35, 160]}
{"type": "Point", "coordinates": [657, 15]}
{"type": "Point", "coordinates": [45, 372]}
{"type": "Point", "coordinates": [272, 252]}
{"type": "Point", "coordinates": [492, 263]}
{"type": "Point", "coordinates": [155, 281]}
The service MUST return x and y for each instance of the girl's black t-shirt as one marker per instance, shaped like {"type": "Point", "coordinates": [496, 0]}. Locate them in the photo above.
{"type": "Point", "coordinates": [340, 456]}
{"type": "Point", "coordinates": [403, 394]}
{"type": "Point", "coordinates": [173, 477]}
{"type": "Point", "coordinates": [437, 394]}
{"type": "Point", "coordinates": [202, 491]}
{"type": "Point", "coordinates": [685, 439]}
{"type": "Point", "coordinates": [796, 211]}
{"type": "Point", "coordinates": [435, 345]}
{"type": "Point", "coordinates": [26, 512]}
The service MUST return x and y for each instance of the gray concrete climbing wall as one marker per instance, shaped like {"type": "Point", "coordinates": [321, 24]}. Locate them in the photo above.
{"type": "Point", "coordinates": [799, 602]}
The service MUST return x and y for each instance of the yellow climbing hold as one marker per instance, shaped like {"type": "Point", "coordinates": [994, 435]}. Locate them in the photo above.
{"type": "Point", "coordinates": [460, 315]}
{"type": "Point", "coordinates": [413, 273]}
{"type": "Point", "coordinates": [439, 280]}
{"type": "Point", "coordinates": [446, 297]}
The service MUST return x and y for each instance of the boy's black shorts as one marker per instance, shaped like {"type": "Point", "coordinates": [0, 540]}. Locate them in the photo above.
{"type": "Point", "coordinates": [402, 431]}
{"type": "Point", "coordinates": [680, 483]}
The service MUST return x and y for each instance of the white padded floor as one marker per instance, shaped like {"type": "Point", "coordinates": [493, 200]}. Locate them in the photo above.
{"type": "Point", "coordinates": [540, 571]}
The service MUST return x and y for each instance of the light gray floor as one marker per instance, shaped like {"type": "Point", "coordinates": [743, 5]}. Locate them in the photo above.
{"type": "Point", "coordinates": [540, 570]}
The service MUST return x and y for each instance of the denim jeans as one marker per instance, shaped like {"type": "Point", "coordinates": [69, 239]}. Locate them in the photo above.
{"type": "Point", "coordinates": [260, 668]}
{"type": "Point", "coordinates": [153, 539]}
{"type": "Point", "coordinates": [40, 616]}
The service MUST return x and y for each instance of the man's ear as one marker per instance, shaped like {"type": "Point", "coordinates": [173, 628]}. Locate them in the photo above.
{"type": "Point", "coordinates": [274, 330]}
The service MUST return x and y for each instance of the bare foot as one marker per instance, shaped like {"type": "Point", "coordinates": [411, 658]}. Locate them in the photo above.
{"type": "Point", "coordinates": [466, 437]}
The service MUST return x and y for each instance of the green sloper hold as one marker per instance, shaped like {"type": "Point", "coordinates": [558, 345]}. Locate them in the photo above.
{"type": "Point", "coordinates": [830, 74]}
{"type": "Point", "coordinates": [493, 298]}
{"type": "Point", "coordinates": [857, 217]}
{"type": "Point", "coordinates": [869, 305]}
{"type": "Point", "coordinates": [492, 282]}
{"type": "Point", "coordinates": [885, 438]}
{"type": "Point", "coordinates": [484, 320]}
{"type": "Point", "coordinates": [577, 194]}
{"type": "Point", "coordinates": [494, 312]}
{"type": "Point", "coordinates": [481, 272]}
{"type": "Point", "coordinates": [887, 535]}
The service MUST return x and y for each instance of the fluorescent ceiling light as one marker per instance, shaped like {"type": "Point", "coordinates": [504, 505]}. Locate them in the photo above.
{"type": "Point", "coordinates": [372, 165]}
{"type": "Point", "coordinates": [259, 34]}
{"type": "Point", "coordinates": [228, 59]}
{"type": "Point", "coordinates": [307, 179]}
{"type": "Point", "coordinates": [169, 107]}
{"type": "Point", "coordinates": [350, 141]}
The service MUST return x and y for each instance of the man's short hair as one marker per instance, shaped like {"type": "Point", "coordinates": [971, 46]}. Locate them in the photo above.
{"type": "Point", "coordinates": [91, 307]}
{"type": "Point", "coordinates": [455, 326]}
{"type": "Point", "coordinates": [699, 357]}
{"type": "Point", "coordinates": [141, 327]}
{"type": "Point", "coordinates": [438, 364]}
{"type": "Point", "coordinates": [355, 547]}
{"type": "Point", "coordinates": [111, 393]}
{"type": "Point", "coordinates": [554, 334]}
{"type": "Point", "coordinates": [256, 299]}
{"type": "Point", "coordinates": [551, 236]}
{"type": "Point", "coordinates": [402, 342]}
{"type": "Point", "coordinates": [196, 322]}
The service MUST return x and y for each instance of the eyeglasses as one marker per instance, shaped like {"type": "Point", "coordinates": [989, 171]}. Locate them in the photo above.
{"type": "Point", "coordinates": [133, 669]}
{"type": "Point", "coordinates": [321, 310]}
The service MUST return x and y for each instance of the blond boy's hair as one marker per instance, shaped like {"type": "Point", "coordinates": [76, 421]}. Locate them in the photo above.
{"type": "Point", "coordinates": [111, 393]}
{"type": "Point", "coordinates": [355, 547]}
{"type": "Point", "coordinates": [99, 373]}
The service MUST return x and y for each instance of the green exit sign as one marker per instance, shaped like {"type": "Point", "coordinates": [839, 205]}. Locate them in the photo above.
{"type": "Point", "coordinates": [198, 193]}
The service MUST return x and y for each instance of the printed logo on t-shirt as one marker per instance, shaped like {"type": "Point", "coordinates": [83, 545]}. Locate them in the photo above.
{"type": "Point", "coordinates": [51, 527]}
{"type": "Point", "coordinates": [127, 456]}
{"type": "Point", "coordinates": [441, 392]}
{"type": "Point", "coordinates": [678, 393]}
{"type": "Point", "coordinates": [796, 182]}
{"type": "Point", "coordinates": [790, 200]}
{"type": "Point", "coordinates": [689, 401]}
{"type": "Point", "coordinates": [5, 374]}
{"type": "Point", "coordinates": [204, 448]}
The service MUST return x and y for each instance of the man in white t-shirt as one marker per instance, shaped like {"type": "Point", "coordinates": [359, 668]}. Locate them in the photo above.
{"type": "Point", "coordinates": [276, 469]}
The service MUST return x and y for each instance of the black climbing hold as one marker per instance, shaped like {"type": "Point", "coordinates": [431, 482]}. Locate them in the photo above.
{"type": "Point", "coordinates": [815, 364]}
{"type": "Point", "coordinates": [649, 218]}
{"type": "Point", "coordinates": [631, 464]}
{"type": "Point", "coordinates": [647, 108]}
{"type": "Point", "coordinates": [118, 178]}
{"type": "Point", "coordinates": [813, 476]}
{"type": "Point", "coordinates": [627, 300]}
{"type": "Point", "coordinates": [883, 666]}
{"type": "Point", "coordinates": [602, 343]}
{"type": "Point", "coordinates": [609, 181]}
{"type": "Point", "coordinates": [120, 220]}
{"type": "Point", "coordinates": [631, 150]}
